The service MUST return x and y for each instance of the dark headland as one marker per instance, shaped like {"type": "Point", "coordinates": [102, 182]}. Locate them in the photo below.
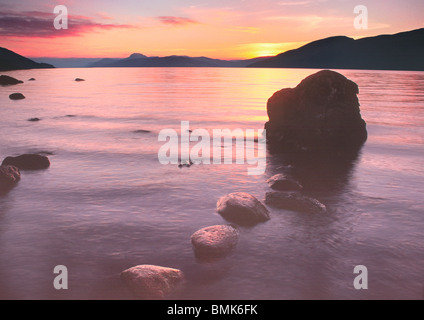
{"type": "Point", "coordinates": [401, 51]}
{"type": "Point", "coordinates": [10, 60]}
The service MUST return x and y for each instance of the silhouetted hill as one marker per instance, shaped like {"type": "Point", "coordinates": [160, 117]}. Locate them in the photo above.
{"type": "Point", "coordinates": [139, 60]}
{"type": "Point", "coordinates": [66, 62]}
{"type": "Point", "coordinates": [102, 63]}
{"type": "Point", "coordinates": [136, 56]}
{"type": "Point", "coordinates": [10, 60]}
{"type": "Point", "coordinates": [402, 51]}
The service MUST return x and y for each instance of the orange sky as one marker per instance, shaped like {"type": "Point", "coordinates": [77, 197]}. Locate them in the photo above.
{"type": "Point", "coordinates": [220, 29]}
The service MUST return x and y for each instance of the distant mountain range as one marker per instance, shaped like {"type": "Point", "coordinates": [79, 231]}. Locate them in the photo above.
{"type": "Point", "coordinates": [10, 60]}
{"type": "Point", "coordinates": [402, 51]}
{"type": "Point", "coordinates": [140, 60]}
{"type": "Point", "coordinates": [67, 62]}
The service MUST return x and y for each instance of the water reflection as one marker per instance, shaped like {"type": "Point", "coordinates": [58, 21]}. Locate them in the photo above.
{"type": "Point", "coordinates": [326, 172]}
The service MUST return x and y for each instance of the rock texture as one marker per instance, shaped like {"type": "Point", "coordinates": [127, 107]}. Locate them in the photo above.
{"type": "Point", "coordinates": [243, 209]}
{"type": "Point", "coordinates": [8, 81]}
{"type": "Point", "coordinates": [282, 183]}
{"type": "Point", "coordinates": [9, 175]}
{"type": "Point", "coordinates": [152, 282]}
{"type": "Point", "coordinates": [214, 242]}
{"type": "Point", "coordinates": [28, 162]}
{"type": "Point", "coordinates": [294, 202]}
{"type": "Point", "coordinates": [321, 113]}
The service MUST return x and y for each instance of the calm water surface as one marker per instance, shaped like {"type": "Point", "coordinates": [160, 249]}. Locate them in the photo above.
{"type": "Point", "coordinates": [107, 204]}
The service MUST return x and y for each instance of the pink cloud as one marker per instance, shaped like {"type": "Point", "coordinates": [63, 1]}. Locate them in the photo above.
{"type": "Point", "coordinates": [38, 24]}
{"type": "Point", "coordinates": [176, 20]}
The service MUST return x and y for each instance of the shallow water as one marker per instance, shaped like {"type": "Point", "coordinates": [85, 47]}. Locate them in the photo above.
{"type": "Point", "coordinates": [107, 204]}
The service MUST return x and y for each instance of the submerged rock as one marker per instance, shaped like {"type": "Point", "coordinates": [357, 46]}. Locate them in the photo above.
{"type": "Point", "coordinates": [321, 113]}
{"type": "Point", "coordinates": [28, 162]}
{"type": "Point", "coordinates": [152, 282]}
{"type": "Point", "coordinates": [214, 242]}
{"type": "Point", "coordinates": [32, 79]}
{"type": "Point", "coordinates": [8, 81]}
{"type": "Point", "coordinates": [295, 202]}
{"type": "Point", "coordinates": [186, 164]}
{"type": "Point", "coordinates": [282, 183]}
{"type": "Point", "coordinates": [9, 175]}
{"type": "Point", "coordinates": [243, 209]}
{"type": "Point", "coordinates": [142, 131]}
{"type": "Point", "coordinates": [16, 96]}
{"type": "Point", "coordinates": [34, 119]}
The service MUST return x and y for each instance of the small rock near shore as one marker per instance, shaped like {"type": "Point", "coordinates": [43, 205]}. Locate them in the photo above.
{"type": "Point", "coordinates": [8, 81]}
{"type": "Point", "coordinates": [9, 175]}
{"type": "Point", "coordinates": [243, 209]}
{"type": "Point", "coordinates": [28, 162]}
{"type": "Point", "coordinates": [152, 282]}
{"type": "Point", "coordinates": [294, 202]}
{"type": "Point", "coordinates": [16, 96]}
{"type": "Point", "coordinates": [215, 241]}
{"type": "Point", "coordinates": [282, 183]}
{"type": "Point", "coordinates": [142, 131]}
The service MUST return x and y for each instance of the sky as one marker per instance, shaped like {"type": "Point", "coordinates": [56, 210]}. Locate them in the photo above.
{"type": "Point", "coordinates": [222, 29]}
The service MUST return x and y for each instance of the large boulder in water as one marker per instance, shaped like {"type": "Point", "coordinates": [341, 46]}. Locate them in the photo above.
{"type": "Point", "coordinates": [152, 282]}
{"type": "Point", "coordinates": [8, 81]}
{"type": "Point", "coordinates": [321, 113]}
{"type": "Point", "coordinates": [28, 162]}
{"type": "Point", "coordinates": [214, 242]}
{"type": "Point", "coordinates": [242, 208]}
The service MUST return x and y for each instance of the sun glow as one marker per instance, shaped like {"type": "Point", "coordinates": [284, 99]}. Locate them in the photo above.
{"type": "Point", "coordinates": [253, 50]}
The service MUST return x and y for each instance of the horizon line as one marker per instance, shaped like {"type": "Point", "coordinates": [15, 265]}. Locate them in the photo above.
{"type": "Point", "coordinates": [227, 59]}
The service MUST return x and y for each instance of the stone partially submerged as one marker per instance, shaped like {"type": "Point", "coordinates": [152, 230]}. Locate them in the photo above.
{"type": "Point", "coordinates": [243, 209]}
{"type": "Point", "coordinates": [9, 81]}
{"type": "Point", "coordinates": [321, 113]}
{"type": "Point", "coordinates": [214, 242]}
{"type": "Point", "coordinates": [294, 202]}
{"type": "Point", "coordinates": [152, 282]}
{"type": "Point", "coordinates": [28, 162]}
{"type": "Point", "coordinates": [16, 96]}
{"type": "Point", "coordinates": [9, 175]}
{"type": "Point", "coordinates": [282, 183]}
